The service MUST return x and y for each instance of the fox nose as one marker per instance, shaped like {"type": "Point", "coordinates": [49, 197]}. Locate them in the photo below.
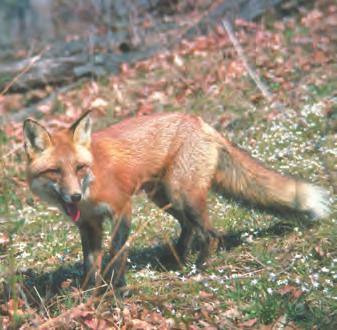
{"type": "Point", "coordinates": [76, 197]}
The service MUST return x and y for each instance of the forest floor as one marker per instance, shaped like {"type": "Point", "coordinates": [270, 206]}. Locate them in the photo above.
{"type": "Point", "coordinates": [276, 272]}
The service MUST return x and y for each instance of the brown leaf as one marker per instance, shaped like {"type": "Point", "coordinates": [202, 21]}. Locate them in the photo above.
{"type": "Point", "coordinates": [225, 119]}
{"type": "Point", "coordinates": [266, 327]}
{"type": "Point", "coordinates": [66, 284]}
{"type": "Point", "coordinates": [46, 107]}
{"type": "Point", "coordinates": [154, 318]}
{"type": "Point", "coordinates": [234, 70]}
{"type": "Point", "coordinates": [292, 290]}
{"type": "Point", "coordinates": [5, 322]}
{"type": "Point", "coordinates": [207, 307]}
{"type": "Point", "coordinates": [145, 109]}
{"type": "Point", "coordinates": [93, 87]}
{"type": "Point", "coordinates": [292, 326]}
{"type": "Point", "coordinates": [243, 23]}
{"type": "Point", "coordinates": [193, 327]}
{"type": "Point", "coordinates": [285, 289]}
{"type": "Point", "coordinates": [81, 313]}
{"type": "Point", "coordinates": [137, 324]}
{"type": "Point", "coordinates": [201, 43]}
{"type": "Point", "coordinates": [4, 240]}
{"type": "Point", "coordinates": [319, 57]}
{"type": "Point", "coordinates": [272, 115]}
{"type": "Point", "coordinates": [319, 251]}
{"type": "Point", "coordinates": [124, 68]}
{"type": "Point", "coordinates": [205, 295]}
{"type": "Point", "coordinates": [256, 97]}
{"type": "Point", "coordinates": [232, 313]}
{"type": "Point", "coordinates": [252, 142]}
{"type": "Point", "coordinates": [11, 102]}
{"type": "Point", "coordinates": [313, 17]}
{"type": "Point", "coordinates": [96, 324]}
{"type": "Point", "coordinates": [207, 325]}
{"type": "Point", "coordinates": [280, 322]}
{"type": "Point", "coordinates": [99, 105]}
{"type": "Point", "coordinates": [297, 293]}
{"type": "Point", "coordinates": [13, 307]}
{"type": "Point", "coordinates": [248, 324]}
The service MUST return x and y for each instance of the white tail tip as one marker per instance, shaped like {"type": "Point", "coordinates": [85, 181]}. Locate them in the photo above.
{"type": "Point", "coordinates": [315, 200]}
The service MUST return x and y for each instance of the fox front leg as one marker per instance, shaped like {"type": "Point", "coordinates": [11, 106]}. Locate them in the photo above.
{"type": "Point", "coordinates": [114, 271]}
{"type": "Point", "coordinates": [91, 237]}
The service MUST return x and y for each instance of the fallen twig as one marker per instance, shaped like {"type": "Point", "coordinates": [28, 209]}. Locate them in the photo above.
{"type": "Point", "coordinates": [30, 64]}
{"type": "Point", "coordinates": [126, 246]}
{"type": "Point", "coordinates": [262, 87]}
{"type": "Point", "coordinates": [13, 151]}
{"type": "Point", "coordinates": [42, 303]}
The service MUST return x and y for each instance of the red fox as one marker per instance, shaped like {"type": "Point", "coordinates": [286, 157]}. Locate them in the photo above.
{"type": "Point", "coordinates": [175, 158]}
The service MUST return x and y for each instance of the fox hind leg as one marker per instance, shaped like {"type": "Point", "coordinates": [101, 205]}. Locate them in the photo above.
{"type": "Point", "coordinates": [192, 216]}
{"type": "Point", "coordinates": [188, 180]}
{"type": "Point", "coordinates": [195, 211]}
{"type": "Point", "coordinates": [158, 195]}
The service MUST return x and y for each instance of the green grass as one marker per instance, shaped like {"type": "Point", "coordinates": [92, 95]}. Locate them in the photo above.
{"type": "Point", "coordinates": [272, 252]}
{"type": "Point", "coordinates": [264, 253]}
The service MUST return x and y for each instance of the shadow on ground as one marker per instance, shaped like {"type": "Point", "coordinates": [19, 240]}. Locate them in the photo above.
{"type": "Point", "coordinates": [159, 257]}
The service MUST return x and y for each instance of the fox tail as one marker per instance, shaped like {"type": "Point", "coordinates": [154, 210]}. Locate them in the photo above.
{"type": "Point", "coordinates": [241, 175]}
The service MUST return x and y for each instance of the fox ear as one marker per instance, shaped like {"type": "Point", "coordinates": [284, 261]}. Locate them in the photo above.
{"type": "Point", "coordinates": [36, 138]}
{"type": "Point", "coordinates": [81, 130]}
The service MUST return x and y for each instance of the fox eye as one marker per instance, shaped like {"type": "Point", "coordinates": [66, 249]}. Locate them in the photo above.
{"type": "Point", "coordinates": [51, 171]}
{"type": "Point", "coordinates": [80, 167]}
{"type": "Point", "coordinates": [54, 170]}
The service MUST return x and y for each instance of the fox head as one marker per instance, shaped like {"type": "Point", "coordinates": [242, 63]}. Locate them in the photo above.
{"type": "Point", "coordinates": [59, 164]}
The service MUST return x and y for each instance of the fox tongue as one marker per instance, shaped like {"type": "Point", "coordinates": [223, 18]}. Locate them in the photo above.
{"type": "Point", "coordinates": [73, 211]}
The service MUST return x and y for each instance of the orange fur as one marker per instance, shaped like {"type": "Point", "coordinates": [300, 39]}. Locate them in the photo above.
{"type": "Point", "coordinates": [175, 158]}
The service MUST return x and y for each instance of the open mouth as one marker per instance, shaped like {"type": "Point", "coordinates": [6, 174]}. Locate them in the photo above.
{"type": "Point", "coordinates": [72, 210]}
